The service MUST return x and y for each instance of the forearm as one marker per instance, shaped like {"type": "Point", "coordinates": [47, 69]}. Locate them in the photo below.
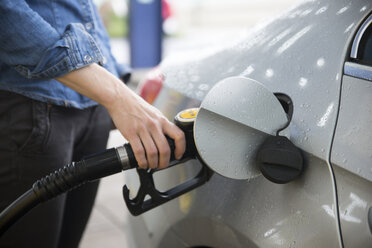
{"type": "Point", "coordinates": [96, 83]}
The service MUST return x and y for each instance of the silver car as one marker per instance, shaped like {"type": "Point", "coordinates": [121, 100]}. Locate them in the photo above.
{"type": "Point", "coordinates": [319, 53]}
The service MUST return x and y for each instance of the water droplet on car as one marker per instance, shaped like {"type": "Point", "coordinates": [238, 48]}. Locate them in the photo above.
{"type": "Point", "coordinates": [204, 87]}
{"type": "Point", "coordinates": [321, 10]}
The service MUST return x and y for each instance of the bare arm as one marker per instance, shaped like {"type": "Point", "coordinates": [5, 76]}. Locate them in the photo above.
{"type": "Point", "coordinates": [140, 123]}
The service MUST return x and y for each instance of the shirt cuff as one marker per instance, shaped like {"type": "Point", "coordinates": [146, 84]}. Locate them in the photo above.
{"type": "Point", "coordinates": [75, 49]}
{"type": "Point", "coordinates": [124, 72]}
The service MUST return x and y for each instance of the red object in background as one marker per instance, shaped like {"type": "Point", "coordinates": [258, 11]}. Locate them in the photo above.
{"type": "Point", "coordinates": [166, 10]}
{"type": "Point", "coordinates": [151, 86]}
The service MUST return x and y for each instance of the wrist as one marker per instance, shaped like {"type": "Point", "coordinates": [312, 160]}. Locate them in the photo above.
{"type": "Point", "coordinates": [96, 83]}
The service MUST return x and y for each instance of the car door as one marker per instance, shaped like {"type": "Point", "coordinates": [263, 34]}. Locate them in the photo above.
{"type": "Point", "coordinates": [351, 155]}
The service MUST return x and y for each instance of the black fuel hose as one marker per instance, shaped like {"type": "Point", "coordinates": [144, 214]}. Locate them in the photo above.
{"type": "Point", "coordinates": [90, 168]}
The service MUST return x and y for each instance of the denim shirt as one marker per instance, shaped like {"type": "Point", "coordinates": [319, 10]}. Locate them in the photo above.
{"type": "Point", "coordinates": [43, 39]}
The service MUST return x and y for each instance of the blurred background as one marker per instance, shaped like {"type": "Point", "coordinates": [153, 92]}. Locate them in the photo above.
{"type": "Point", "coordinates": [143, 32]}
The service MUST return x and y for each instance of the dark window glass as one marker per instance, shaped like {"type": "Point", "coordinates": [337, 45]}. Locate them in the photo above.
{"type": "Point", "coordinates": [365, 47]}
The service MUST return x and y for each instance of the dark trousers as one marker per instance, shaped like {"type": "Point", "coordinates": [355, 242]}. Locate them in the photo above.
{"type": "Point", "coordinates": [37, 138]}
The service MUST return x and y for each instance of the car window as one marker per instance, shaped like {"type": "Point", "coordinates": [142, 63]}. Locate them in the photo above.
{"type": "Point", "coordinates": [361, 49]}
{"type": "Point", "coordinates": [360, 60]}
{"type": "Point", "coordinates": [365, 46]}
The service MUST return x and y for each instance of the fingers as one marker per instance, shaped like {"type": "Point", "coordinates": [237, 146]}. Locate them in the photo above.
{"type": "Point", "coordinates": [151, 150]}
{"type": "Point", "coordinates": [178, 136]}
{"type": "Point", "coordinates": [145, 128]}
{"type": "Point", "coordinates": [139, 151]}
{"type": "Point", "coordinates": [164, 149]}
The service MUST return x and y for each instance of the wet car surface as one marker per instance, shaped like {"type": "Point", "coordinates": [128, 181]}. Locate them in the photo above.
{"type": "Point", "coordinates": [317, 53]}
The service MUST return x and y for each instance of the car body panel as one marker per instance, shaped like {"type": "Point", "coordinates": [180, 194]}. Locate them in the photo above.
{"type": "Point", "coordinates": [354, 132]}
{"type": "Point", "coordinates": [352, 160]}
{"type": "Point", "coordinates": [355, 200]}
{"type": "Point", "coordinates": [301, 54]}
{"type": "Point", "coordinates": [311, 77]}
{"type": "Point", "coordinates": [351, 155]}
{"type": "Point", "coordinates": [245, 213]}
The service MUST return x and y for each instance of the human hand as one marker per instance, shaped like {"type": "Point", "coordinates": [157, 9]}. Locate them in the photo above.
{"type": "Point", "coordinates": [144, 127]}
{"type": "Point", "coordinates": [140, 123]}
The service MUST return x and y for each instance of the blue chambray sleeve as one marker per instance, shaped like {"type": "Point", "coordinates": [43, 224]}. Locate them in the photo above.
{"type": "Point", "coordinates": [36, 50]}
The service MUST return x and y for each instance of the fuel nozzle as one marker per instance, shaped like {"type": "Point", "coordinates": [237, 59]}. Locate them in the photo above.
{"type": "Point", "coordinates": [138, 205]}
{"type": "Point", "coordinates": [185, 121]}
{"type": "Point", "coordinates": [186, 118]}
{"type": "Point", "coordinates": [106, 163]}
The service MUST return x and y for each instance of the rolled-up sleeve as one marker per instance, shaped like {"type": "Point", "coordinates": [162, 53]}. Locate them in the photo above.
{"type": "Point", "coordinates": [36, 50]}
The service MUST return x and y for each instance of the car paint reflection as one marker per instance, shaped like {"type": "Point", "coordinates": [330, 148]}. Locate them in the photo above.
{"type": "Point", "coordinates": [346, 214]}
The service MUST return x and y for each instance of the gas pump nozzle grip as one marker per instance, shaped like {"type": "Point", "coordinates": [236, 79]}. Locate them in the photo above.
{"type": "Point", "coordinates": [128, 160]}
{"type": "Point", "coordinates": [185, 121]}
{"type": "Point", "coordinates": [90, 168]}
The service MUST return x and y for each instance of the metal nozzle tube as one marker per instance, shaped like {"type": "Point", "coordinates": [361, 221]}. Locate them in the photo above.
{"type": "Point", "coordinates": [123, 157]}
